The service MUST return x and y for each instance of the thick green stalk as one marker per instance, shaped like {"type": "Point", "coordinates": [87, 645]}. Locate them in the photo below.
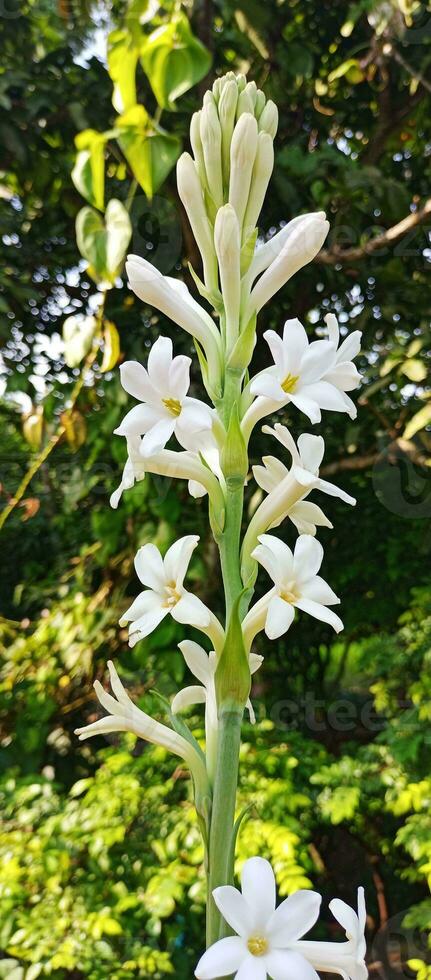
{"type": "Point", "coordinates": [230, 714]}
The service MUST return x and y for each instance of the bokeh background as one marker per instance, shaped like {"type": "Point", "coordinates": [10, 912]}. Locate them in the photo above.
{"type": "Point", "coordinates": [101, 870]}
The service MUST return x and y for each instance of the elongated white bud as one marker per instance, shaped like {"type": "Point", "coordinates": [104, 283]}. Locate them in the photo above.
{"type": "Point", "coordinates": [228, 248]}
{"type": "Point", "coordinates": [260, 104]}
{"type": "Point", "coordinates": [173, 299]}
{"type": "Point", "coordinates": [196, 144]}
{"type": "Point", "coordinates": [242, 157]}
{"type": "Point", "coordinates": [299, 249]}
{"type": "Point", "coordinates": [210, 131]}
{"type": "Point", "coordinates": [262, 170]}
{"type": "Point", "coordinates": [268, 122]}
{"type": "Point", "coordinates": [227, 109]}
{"type": "Point", "coordinates": [190, 191]}
{"type": "Point", "coordinates": [245, 103]}
{"type": "Point", "coordinates": [268, 252]}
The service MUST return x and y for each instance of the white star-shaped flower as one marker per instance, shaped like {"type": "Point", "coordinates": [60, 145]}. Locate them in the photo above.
{"type": "Point", "coordinates": [312, 376]}
{"type": "Point", "coordinates": [165, 409]}
{"type": "Point", "coordinates": [296, 586]}
{"type": "Point", "coordinates": [165, 592]}
{"type": "Point", "coordinates": [266, 935]}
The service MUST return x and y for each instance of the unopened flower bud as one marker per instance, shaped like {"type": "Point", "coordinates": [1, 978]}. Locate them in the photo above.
{"type": "Point", "coordinates": [211, 144]}
{"type": "Point", "coordinates": [228, 248]}
{"type": "Point", "coordinates": [242, 157]}
{"type": "Point", "coordinates": [245, 103]}
{"type": "Point", "coordinates": [260, 104]}
{"type": "Point", "coordinates": [227, 109]}
{"type": "Point", "coordinates": [268, 122]}
{"type": "Point", "coordinates": [262, 170]}
{"type": "Point", "coordinates": [196, 144]}
{"type": "Point", "coordinates": [300, 248]}
{"type": "Point", "coordinates": [241, 82]}
{"type": "Point", "coordinates": [190, 191]}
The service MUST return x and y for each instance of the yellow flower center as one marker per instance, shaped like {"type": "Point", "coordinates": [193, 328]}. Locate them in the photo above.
{"type": "Point", "coordinates": [288, 593]}
{"type": "Point", "coordinates": [289, 383]}
{"type": "Point", "coordinates": [257, 945]}
{"type": "Point", "coordinates": [173, 406]}
{"type": "Point", "coordinates": [172, 596]}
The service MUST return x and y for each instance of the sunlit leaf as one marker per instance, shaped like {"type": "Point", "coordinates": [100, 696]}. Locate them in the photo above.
{"type": "Point", "coordinates": [122, 61]}
{"type": "Point", "coordinates": [88, 174]}
{"type": "Point", "coordinates": [174, 60]}
{"type": "Point", "coordinates": [111, 341]}
{"type": "Point", "coordinates": [149, 150]}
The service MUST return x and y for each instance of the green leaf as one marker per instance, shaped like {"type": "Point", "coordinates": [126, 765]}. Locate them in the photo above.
{"type": "Point", "coordinates": [414, 369]}
{"type": "Point", "coordinates": [88, 174]}
{"type": "Point", "coordinates": [174, 60]}
{"type": "Point", "coordinates": [78, 333]}
{"type": "Point", "coordinates": [418, 422]}
{"type": "Point", "coordinates": [122, 61]}
{"type": "Point", "coordinates": [104, 243]}
{"type": "Point", "coordinates": [150, 151]}
{"type": "Point", "coordinates": [111, 341]}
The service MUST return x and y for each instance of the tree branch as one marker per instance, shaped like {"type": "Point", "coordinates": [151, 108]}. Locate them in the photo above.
{"type": "Point", "coordinates": [335, 255]}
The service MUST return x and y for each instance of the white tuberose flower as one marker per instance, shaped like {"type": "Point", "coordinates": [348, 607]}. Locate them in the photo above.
{"type": "Point", "coordinates": [311, 376]}
{"type": "Point", "coordinates": [348, 958]}
{"type": "Point", "coordinates": [307, 456]}
{"type": "Point", "coordinates": [203, 666]}
{"type": "Point", "coordinates": [165, 592]}
{"type": "Point", "coordinates": [296, 586]}
{"type": "Point", "coordinates": [265, 934]}
{"type": "Point", "coordinates": [166, 408]}
{"type": "Point", "coordinates": [124, 716]}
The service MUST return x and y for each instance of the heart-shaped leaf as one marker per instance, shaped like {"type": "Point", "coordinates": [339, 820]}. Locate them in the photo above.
{"type": "Point", "coordinates": [104, 243]}
{"type": "Point", "coordinates": [88, 174]}
{"type": "Point", "coordinates": [149, 150]}
{"type": "Point", "coordinates": [174, 60]}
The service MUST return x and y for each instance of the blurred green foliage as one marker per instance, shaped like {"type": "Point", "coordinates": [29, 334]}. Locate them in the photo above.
{"type": "Point", "coordinates": [101, 864]}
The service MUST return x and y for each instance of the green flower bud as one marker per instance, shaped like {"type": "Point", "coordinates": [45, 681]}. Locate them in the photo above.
{"type": "Point", "coordinates": [210, 132]}
{"type": "Point", "coordinates": [190, 191]}
{"type": "Point", "coordinates": [268, 122]}
{"type": "Point", "coordinates": [196, 144]}
{"type": "Point", "coordinates": [234, 456]}
{"type": "Point", "coordinates": [242, 157]}
{"type": "Point", "coordinates": [262, 170]}
{"type": "Point", "coordinates": [228, 247]}
{"type": "Point", "coordinates": [233, 678]}
{"type": "Point", "coordinates": [227, 109]}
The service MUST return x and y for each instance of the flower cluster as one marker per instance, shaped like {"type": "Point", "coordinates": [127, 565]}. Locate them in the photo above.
{"type": "Point", "coordinates": [222, 187]}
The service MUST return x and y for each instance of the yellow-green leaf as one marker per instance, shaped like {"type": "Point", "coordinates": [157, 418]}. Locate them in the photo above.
{"type": "Point", "coordinates": [418, 422]}
{"type": "Point", "coordinates": [122, 61]}
{"type": "Point", "coordinates": [414, 369]}
{"type": "Point", "coordinates": [88, 174]}
{"type": "Point", "coordinates": [174, 60]}
{"type": "Point", "coordinates": [149, 150]}
{"type": "Point", "coordinates": [104, 243]}
{"type": "Point", "coordinates": [111, 341]}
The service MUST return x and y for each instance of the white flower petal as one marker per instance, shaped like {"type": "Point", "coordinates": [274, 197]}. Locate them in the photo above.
{"type": "Point", "coordinates": [179, 376]}
{"type": "Point", "coordinates": [282, 434]}
{"type": "Point", "coordinates": [197, 660]}
{"type": "Point", "coordinates": [306, 514]}
{"type": "Point", "coordinates": [188, 696]}
{"type": "Point", "coordinates": [350, 347]}
{"type": "Point", "coordinates": [253, 968]}
{"type": "Point", "coordinates": [159, 363]}
{"type": "Point", "coordinates": [275, 556]}
{"type": "Point", "coordinates": [334, 491]}
{"type": "Point", "coordinates": [195, 416]}
{"type": "Point", "coordinates": [293, 918]}
{"type": "Point", "coordinates": [258, 889]}
{"type": "Point", "coordinates": [149, 567]}
{"type": "Point", "coordinates": [107, 701]}
{"type": "Point", "coordinates": [276, 346]}
{"type": "Point", "coordinates": [346, 916]}
{"type": "Point", "coordinates": [155, 440]}
{"type": "Point", "coordinates": [319, 591]}
{"type": "Point", "coordinates": [316, 361]}
{"type": "Point", "coordinates": [303, 400]}
{"type": "Point", "coordinates": [344, 376]}
{"type": "Point", "coordinates": [333, 328]}
{"type": "Point", "coordinates": [191, 611]}
{"type": "Point", "coordinates": [286, 965]}
{"type": "Point", "coordinates": [308, 557]}
{"type": "Point", "coordinates": [269, 387]}
{"type": "Point", "coordinates": [235, 909]}
{"type": "Point", "coordinates": [318, 611]}
{"type": "Point", "coordinates": [144, 603]}
{"type": "Point", "coordinates": [311, 449]}
{"type": "Point", "coordinates": [279, 617]}
{"type": "Point", "coordinates": [327, 396]}
{"type": "Point", "coordinates": [138, 421]}
{"type": "Point", "coordinates": [177, 558]}
{"type": "Point", "coordinates": [145, 625]}
{"type": "Point", "coordinates": [304, 477]}
{"type": "Point", "coordinates": [135, 380]}
{"type": "Point", "coordinates": [295, 341]}
{"type": "Point", "coordinates": [221, 959]}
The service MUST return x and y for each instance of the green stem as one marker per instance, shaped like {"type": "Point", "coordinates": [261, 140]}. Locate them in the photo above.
{"type": "Point", "coordinates": [223, 816]}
